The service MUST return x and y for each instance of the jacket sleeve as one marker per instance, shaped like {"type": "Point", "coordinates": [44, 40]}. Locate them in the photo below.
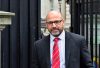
{"type": "Point", "coordinates": [86, 61]}
{"type": "Point", "coordinates": [35, 62]}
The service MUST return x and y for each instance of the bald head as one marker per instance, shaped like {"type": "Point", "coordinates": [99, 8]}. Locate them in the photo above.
{"type": "Point", "coordinates": [54, 23]}
{"type": "Point", "coordinates": [53, 15]}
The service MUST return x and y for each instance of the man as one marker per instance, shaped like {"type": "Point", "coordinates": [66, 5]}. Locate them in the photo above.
{"type": "Point", "coordinates": [60, 49]}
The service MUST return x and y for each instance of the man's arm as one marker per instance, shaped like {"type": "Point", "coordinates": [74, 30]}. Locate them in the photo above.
{"type": "Point", "coordinates": [35, 63]}
{"type": "Point", "coordinates": [86, 61]}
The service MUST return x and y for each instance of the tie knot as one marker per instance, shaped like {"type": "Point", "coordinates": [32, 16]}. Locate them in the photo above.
{"type": "Point", "coordinates": [56, 39]}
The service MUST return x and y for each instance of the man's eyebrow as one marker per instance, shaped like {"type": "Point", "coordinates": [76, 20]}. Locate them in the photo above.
{"type": "Point", "coordinates": [54, 20]}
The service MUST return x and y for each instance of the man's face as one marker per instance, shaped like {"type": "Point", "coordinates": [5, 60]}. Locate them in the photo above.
{"type": "Point", "coordinates": [55, 24]}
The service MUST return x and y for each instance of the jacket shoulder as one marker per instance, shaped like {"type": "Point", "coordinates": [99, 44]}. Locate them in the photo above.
{"type": "Point", "coordinates": [74, 36]}
{"type": "Point", "coordinates": [43, 40]}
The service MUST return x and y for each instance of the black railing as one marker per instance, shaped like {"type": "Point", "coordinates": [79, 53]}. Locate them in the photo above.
{"type": "Point", "coordinates": [18, 39]}
{"type": "Point", "coordinates": [85, 20]}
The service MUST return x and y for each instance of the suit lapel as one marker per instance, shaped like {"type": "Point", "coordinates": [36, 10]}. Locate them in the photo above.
{"type": "Point", "coordinates": [67, 48]}
{"type": "Point", "coordinates": [47, 53]}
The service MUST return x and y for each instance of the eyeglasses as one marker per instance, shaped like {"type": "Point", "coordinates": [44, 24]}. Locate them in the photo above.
{"type": "Point", "coordinates": [55, 22]}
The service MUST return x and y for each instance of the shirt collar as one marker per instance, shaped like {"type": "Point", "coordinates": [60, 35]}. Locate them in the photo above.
{"type": "Point", "coordinates": [61, 36]}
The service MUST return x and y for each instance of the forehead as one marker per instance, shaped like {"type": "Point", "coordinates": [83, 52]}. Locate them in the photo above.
{"type": "Point", "coordinates": [53, 15]}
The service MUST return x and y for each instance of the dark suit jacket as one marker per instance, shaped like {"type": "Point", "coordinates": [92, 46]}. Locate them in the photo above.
{"type": "Point", "coordinates": [76, 52]}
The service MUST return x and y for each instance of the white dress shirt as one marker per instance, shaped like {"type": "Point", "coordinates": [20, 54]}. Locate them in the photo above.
{"type": "Point", "coordinates": [61, 45]}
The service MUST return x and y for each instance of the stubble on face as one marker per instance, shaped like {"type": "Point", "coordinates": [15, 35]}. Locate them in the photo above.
{"type": "Point", "coordinates": [55, 31]}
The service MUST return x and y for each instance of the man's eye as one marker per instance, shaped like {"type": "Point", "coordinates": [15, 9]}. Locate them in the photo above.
{"type": "Point", "coordinates": [50, 22]}
{"type": "Point", "coordinates": [56, 21]}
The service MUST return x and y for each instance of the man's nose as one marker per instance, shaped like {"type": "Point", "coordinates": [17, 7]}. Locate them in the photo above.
{"type": "Point", "coordinates": [53, 25]}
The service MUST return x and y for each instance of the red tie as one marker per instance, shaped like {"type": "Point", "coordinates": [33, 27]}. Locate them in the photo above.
{"type": "Point", "coordinates": [55, 55]}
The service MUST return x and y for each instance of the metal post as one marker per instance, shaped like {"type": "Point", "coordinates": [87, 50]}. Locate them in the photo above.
{"type": "Point", "coordinates": [82, 17]}
{"type": "Point", "coordinates": [96, 39]}
{"type": "Point", "coordinates": [91, 28]}
{"type": "Point", "coordinates": [1, 28]}
{"type": "Point", "coordinates": [87, 22]}
{"type": "Point", "coordinates": [5, 19]}
{"type": "Point", "coordinates": [99, 55]}
{"type": "Point", "coordinates": [0, 48]}
{"type": "Point", "coordinates": [73, 15]}
{"type": "Point", "coordinates": [59, 1]}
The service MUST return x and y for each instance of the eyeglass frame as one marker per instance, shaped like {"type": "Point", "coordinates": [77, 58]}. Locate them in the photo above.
{"type": "Point", "coordinates": [55, 22]}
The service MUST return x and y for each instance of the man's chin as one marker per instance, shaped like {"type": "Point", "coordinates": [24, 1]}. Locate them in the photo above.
{"type": "Point", "coordinates": [55, 34]}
